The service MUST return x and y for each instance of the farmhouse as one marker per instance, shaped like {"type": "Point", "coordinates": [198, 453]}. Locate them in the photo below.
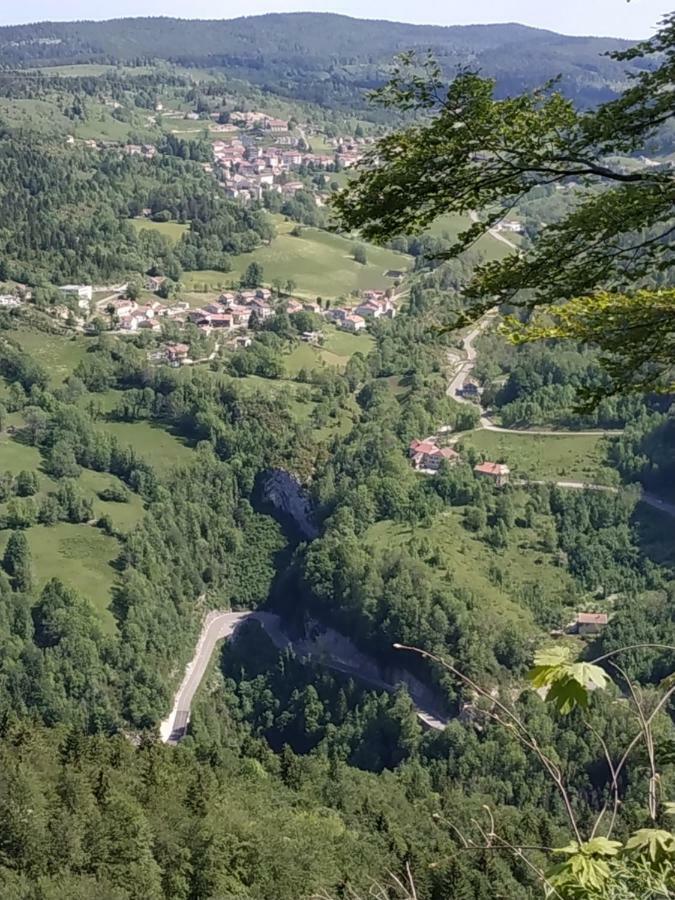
{"type": "Point", "coordinates": [176, 354]}
{"type": "Point", "coordinates": [352, 323]}
{"type": "Point", "coordinates": [374, 309]}
{"type": "Point", "coordinates": [590, 623]}
{"type": "Point", "coordinates": [426, 455]}
{"type": "Point", "coordinates": [121, 306]}
{"type": "Point", "coordinates": [497, 472]}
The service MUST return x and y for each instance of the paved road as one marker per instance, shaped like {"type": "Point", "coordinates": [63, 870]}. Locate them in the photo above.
{"type": "Point", "coordinates": [220, 625]}
{"type": "Point", "coordinates": [464, 370]}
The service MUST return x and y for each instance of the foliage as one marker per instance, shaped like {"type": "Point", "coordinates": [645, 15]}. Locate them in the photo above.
{"type": "Point", "coordinates": [472, 151]}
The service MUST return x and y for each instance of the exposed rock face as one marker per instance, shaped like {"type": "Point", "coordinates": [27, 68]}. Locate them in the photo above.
{"type": "Point", "coordinates": [290, 499]}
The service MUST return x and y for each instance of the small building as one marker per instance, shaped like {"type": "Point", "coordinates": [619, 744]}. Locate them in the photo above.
{"type": "Point", "coordinates": [154, 282]}
{"type": "Point", "coordinates": [497, 472]}
{"type": "Point", "coordinates": [8, 301]}
{"type": "Point", "coordinates": [83, 292]}
{"type": "Point", "coordinates": [176, 353]}
{"type": "Point", "coordinates": [353, 323]}
{"type": "Point", "coordinates": [590, 623]}
{"type": "Point", "coordinates": [470, 389]}
{"type": "Point", "coordinates": [312, 337]}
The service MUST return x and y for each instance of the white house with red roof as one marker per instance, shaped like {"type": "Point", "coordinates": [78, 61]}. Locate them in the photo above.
{"type": "Point", "coordinates": [497, 472]}
{"type": "Point", "coordinates": [427, 456]}
{"type": "Point", "coordinates": [353, 323]}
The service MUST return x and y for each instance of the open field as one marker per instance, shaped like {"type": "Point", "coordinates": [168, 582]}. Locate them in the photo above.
{"type": "Point", "coordinates": [554, 457]}
{"type": "Point", "coordinates": [451, 225]}
{"type": "Point", "coordinates": [152, 443]}
{"type": "Point", "coordinates": [59, 354]}
{"type": "Point", "coordinates": [468, 563]}
{"type": "Point", "coordinates": [80, 556]}
{"type": "Point", "coordinates": [43, 116]}
{"type": "Point", "coordinates": [319, 262]}
{"type": "Point", "coordinates": [172, 230]}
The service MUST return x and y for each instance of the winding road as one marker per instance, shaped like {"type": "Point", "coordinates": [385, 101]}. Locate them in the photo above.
{"type": "Point", "coordinates": [463, 371]}
{"type": "Point", "coordinates": [220, 625]}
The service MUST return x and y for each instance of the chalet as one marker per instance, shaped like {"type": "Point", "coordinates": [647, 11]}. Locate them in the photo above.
{"type": "Point", "coordinates": [276, 126]}
{"type": "Point", "coordinates": [293, 306]}
{"type": "Point", "coordinates": [375, 309]}
{"type": "Point", "coordinates": [308, 306]}
{"type": "Point", "coordinates": [197, 315]}
{"type": "Point", "coordinates": [369, 310]}
{"type": "Point", "coordinates": [590, 623]}
{"type": "Point", "coordinates": [497, 472]}
{"type": "Point", "coordinates": [427, 456]}
{"type": "Point", "coordinates": [176, 354]}
{"type": "Point", "coordinates": [7, 301]}
{"type": "Point", "coordinates": [214, 308]}
{"type": "Point", "coordinates": [129, 323]}
{"type": "Point", "coordinates": [352, 323]}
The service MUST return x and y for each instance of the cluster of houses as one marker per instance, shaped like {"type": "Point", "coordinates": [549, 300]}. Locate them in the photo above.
{"type": "Point", "coordinates": [374, 305]}
{"type": "Point", "coordinates": [426, 456]}
{"type": "Point", "coordinates": [248, 170]}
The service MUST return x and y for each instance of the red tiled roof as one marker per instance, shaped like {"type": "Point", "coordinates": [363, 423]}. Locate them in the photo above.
{"type": "Point", "coordinates": [592, 618]}
{"type": "Point", "coordinates": [425, 447]}
{"type": "Point", "coordinates": [490, 468]}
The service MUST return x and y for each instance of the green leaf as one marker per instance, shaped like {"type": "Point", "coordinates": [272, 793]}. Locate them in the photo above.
{"type": "Point", "coordinates": [654, 842]}
{"type": "Point", "coordinates": [565, 694]}
{"type": "Point", "coordinates": [552, 656]}
{"type": "Point", "coordinates": [669, 808]}
{"type": "Point", "coordinates": [588, 674]}
{"type": "Point", "coordinates": [601, 846]}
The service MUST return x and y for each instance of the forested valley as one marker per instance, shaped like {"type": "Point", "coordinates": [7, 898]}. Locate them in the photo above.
{"type": "Point", "coordinates": [524, 583]}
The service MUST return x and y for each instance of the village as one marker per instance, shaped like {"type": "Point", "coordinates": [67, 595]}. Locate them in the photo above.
{"type": "Point", "coordinates": [235, 314]}
{"type": "Point", "coordinates": [257, 152]}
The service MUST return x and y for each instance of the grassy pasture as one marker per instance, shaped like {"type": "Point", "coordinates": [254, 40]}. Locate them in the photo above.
{"type": "Point", "coordinates": [81, 556]}
{"type": "Point", "coordinates": [58, 353]}
{"type": "Point", "coordinates": [548, 457]}
{"type": "Point", "coordinates": [458, 556]}
{"type": "Point", "coordinates": [171, 230]}
{"type": "Point", "coordinates": [319, 262]}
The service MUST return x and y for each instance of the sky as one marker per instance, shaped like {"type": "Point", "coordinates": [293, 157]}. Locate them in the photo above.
{"type": "Point", "coordinates": [615, 18]}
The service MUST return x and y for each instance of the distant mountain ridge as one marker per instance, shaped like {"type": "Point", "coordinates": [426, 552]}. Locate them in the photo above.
{"type": "Point", "coordinates": [324, 55]}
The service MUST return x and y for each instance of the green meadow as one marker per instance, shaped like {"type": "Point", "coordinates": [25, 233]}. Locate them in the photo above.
{"type": "Point", "coordinates": [319, 262]}
{"type": "Point", "coordinates": [554, 457]}
{"type": "Point", "coordinates": [171, 230]}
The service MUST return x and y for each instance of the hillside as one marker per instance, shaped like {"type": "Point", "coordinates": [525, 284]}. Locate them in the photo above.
{"type": "Point", "coordinates": [323, 57]}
